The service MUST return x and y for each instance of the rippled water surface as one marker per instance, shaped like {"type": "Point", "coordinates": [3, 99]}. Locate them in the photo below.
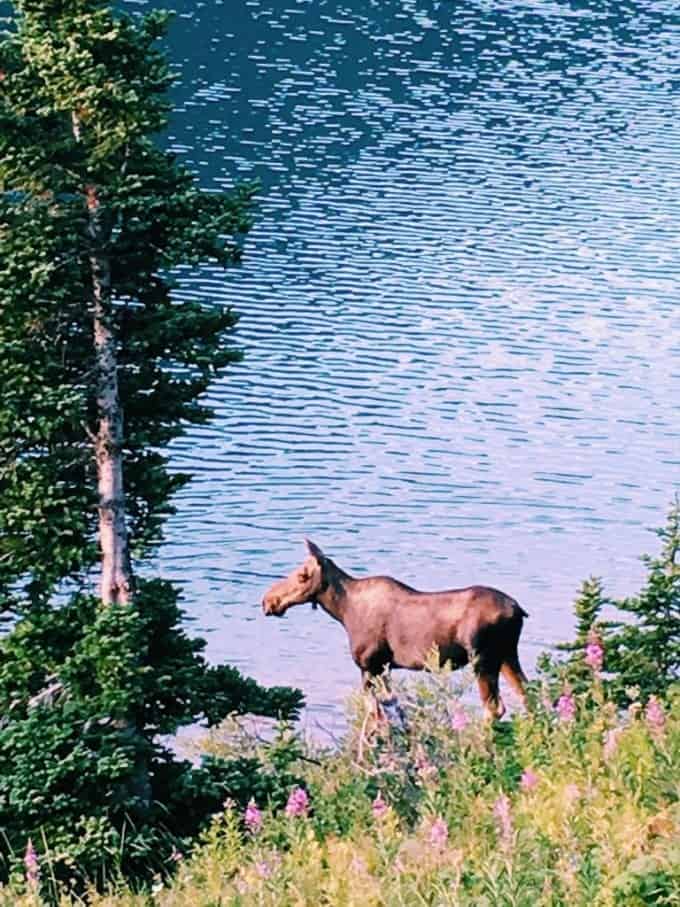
{"type": "Point", "coordinates": [459, 306]}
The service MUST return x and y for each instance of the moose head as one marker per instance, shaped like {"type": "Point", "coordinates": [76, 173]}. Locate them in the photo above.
{"type": "Point", "coordinates": [301, 586]}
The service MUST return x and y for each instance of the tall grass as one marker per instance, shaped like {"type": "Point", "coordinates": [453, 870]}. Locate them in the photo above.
{"type": "Point", "coordinates": [570, 805]}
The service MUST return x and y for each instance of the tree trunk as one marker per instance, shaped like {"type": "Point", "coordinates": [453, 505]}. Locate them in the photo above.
{"type": "Point", "coordinates": [116, 586]}
{"type": "Point", "coordinates": [116, 577]}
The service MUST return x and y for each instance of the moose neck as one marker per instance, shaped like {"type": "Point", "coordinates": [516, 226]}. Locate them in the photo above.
{"type": "Point", "coordinates": [334, 597]}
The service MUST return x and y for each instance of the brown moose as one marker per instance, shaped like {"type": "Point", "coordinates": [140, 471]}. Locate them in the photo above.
{"type": "Point", "coordinates": [391, 625]}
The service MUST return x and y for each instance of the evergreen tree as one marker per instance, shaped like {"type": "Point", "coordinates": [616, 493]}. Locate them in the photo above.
{"type": "Point", "coordinates": [644, 651]}
{"type": "Point", "coordinates": [101, 369]}
{"type": "Point", "coordinates": [639, 652]}
{"type": "Point", "coordinates": [575, 672]}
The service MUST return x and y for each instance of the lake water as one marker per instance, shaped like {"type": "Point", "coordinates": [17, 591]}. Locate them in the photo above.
{"type": "Point", "coordinates": [460, 307]}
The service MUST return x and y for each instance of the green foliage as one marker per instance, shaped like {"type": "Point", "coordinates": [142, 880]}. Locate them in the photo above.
{"type": "Point", "coordinates": [65, 763]}
{"type": "Point", "coordinates": [646, 883]}
{"type": "Point", "coordinates": [572, 672]}
{"type": "Point", "coordinates": [81, 95]}
{"type": "Point", "coordinates": [537, 811]}
{"type": "Point", "coordinates": [587, 610]}
{"type": "Point", "coordinates": [645, 653]}
{"type": "Point", "coordinates": [641, 649]}
{"type": "Point", "coordinates": [86, 691]}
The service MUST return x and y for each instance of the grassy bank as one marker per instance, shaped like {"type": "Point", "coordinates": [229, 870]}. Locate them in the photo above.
{"type": "Point", "coordinates": [575, 803]}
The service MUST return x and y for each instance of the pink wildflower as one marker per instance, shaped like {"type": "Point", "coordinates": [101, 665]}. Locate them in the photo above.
{"type": "Point", "coordinates": [92, 198]}
{"type": "Point", "coordinates": [655, 716]}
{"type": "Point", "coordinates": [594, 656]}
{"type": "Point", "coordinates": [572, 794]}
{"type": "Point", "coordinates": [611, 742]}
{"type": "Point", "coordinates": [379, 807]}
{"type": "Point", "coordinates": [298, 802]}
{"type": "Point", "coordinates": [176, 855]}
{"type": "Point", "coordinates": [529, 779]}
{"type": "Point", "coordinates": [459, 717]}
{"type": "Point", "coordinates": [566, 707]}
{"type": "Point", "coordinates": [32, 867]}
{"type": "Point", "coordinates": [501, 810]}
{"type": "Point", "coordinates": [263, 869]}
{"type": "Point", "coordinates": [387, 762]}
{"type": "Point", "coordinates": [439, 833]}
{"type": "Point", "coordinates": [423, 765]}
{"type": "Point", "coordinates": [252, 817]}
{"type": "Point", "coordinates": [358, 866]}
{"type": "Point", "coordinates": [546, 700]}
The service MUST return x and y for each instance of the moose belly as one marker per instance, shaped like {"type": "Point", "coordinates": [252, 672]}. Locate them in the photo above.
{"type": "Point", "coordinates": [415, 658]}
{"type": "Point", "coordinates": [413, 642]}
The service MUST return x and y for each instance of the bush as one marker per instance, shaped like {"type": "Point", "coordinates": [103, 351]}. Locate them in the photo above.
{"type": "Point", "coordinates": [68, 758]}
{"type": "Point", "coordinates": [640, 649]}
{"type": "Point", "coordinates": [646, 883]}
{"type": "Point", "coordinates": [549, 809]}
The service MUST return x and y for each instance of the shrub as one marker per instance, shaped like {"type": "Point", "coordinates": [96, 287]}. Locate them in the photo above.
{"type": "Point", "coordinates": [640, 649]}
{"type": "Point", "coordinates": [68, 760]}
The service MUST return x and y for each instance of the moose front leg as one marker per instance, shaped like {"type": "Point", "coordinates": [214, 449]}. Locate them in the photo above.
{"type": "Point", "coordinates": [372, 710]}
{"type": "Point", "coordinates": [369, 683]}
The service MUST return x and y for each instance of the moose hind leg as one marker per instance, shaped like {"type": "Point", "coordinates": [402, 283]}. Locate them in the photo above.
{"type": "Point", "coordinates": [487, 681]}
{"type": "Point", "coordinates": [514, 675]}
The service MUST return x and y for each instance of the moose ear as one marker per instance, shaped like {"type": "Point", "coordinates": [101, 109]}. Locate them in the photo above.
{"type": "Point", "coordinates": [314, 550]}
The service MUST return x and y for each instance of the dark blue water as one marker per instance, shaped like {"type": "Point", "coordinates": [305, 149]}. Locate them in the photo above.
{"type": "Point", "coordinates": [460, 306]}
